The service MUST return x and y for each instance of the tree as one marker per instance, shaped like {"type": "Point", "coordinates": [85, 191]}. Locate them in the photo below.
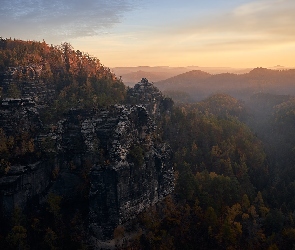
{"type": "Point", "coordinates": [13, 91]}
{"type": "Point", "coordinates": [50, 239]}
{"type": "Point", "coordinates": [136, 153]}
{"type": "Point", "coordinates": [17, 237]}
{"type": "Point", "coordinates": [54, 208]}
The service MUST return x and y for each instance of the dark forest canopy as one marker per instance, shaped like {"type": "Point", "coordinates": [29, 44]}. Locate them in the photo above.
{"type": "Point", "coordinates": [235, 188]}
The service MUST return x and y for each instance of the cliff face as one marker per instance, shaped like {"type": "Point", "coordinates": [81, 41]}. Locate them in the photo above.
{"type": "Point", "coordinates": [148, 95]}
{"type": "Point", "coordinates": [131, 170]}
{"type": "Point", "coordinates": [136, 173]}
{"type": "Point", "coordinates": [24, 186]}
{"type": "Point", "coordinates": [27, 176]}
{"type": "Point", "coordinates": [26, 82]}
{"type": "Point", "coordinates": [128, 167]}
{"type": "Point", "coordinates": [18, 116]}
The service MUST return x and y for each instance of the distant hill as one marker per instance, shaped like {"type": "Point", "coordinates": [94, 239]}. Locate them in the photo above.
{"type": "Point", "coordinates": [199, 84]}
{"type": "Point", "coordinates": [131, 75]}
{"type": "Point", "coordinates": [187, 78]}
{"type": "Point", "coordinates": [132, 78]}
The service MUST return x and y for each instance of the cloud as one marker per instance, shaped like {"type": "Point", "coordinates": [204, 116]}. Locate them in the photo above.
{"type": "Point", "coordinates": [251, 25]}
{"type": "Point", "coordinates": [272, 21]}
{"type": "Point", "coordinates": [266, 16]}
{"type": "Point", "coordinates": [252, 8]}
{"type": "Point", "coordinates": [62, 18]}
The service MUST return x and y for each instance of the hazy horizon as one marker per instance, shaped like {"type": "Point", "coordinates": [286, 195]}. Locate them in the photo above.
{"type": "Point", "coordinates": [195, 66]}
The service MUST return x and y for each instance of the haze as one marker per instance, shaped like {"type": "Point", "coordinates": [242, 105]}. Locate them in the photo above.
{"type": "Point", "coordinates": [214, 33]}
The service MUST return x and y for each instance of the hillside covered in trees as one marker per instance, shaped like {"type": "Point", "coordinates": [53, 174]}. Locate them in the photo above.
{"type": "Point", "coordinates": [198, 84]}
{"type": "Point", "coordinates": [76, 78]}
{"type": "Point", "coordinates": [130, 75]}
{"type": "Point", "coordinates": [57, 78]}
{"type": "Point", "coordinates": [233, 158]}
{"type": "Point", "coordinates": [235, 176]}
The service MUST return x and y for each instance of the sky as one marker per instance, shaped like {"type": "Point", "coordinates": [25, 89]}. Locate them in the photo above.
{"type": "Point", "coordinates": [205, 33]}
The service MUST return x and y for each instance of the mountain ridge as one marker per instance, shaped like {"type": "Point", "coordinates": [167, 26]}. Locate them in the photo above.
{"type": "Point", "coordinates": [201, 84]}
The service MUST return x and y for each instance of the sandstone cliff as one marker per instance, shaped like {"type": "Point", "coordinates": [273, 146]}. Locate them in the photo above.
{"type": "Point", "coordinates": [128, 167]}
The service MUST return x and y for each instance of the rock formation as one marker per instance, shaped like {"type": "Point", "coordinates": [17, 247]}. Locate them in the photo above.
{"type": "Point", "coordinates": [26, 82]}
{"type": "Point", "coordinates": [148, 95]}
{"type": "Point", "coordinates": [23, 186]}
{"type": "Point", "coordinates": [135, 174]}
{"type": "Point", "coordinates": [130, 168]}
{"type": "Point", "coordinates": [29, 176]}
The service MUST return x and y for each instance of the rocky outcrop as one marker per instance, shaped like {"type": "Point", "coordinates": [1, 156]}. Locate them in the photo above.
{"type": "Point", "coordinates": [18, 116]}
{"type": "Point", "coordinates": [28, 176]}
{"type": "Point", "coordinates": [150, 96]}
{"type": "Point", "coordinates": [136, 173]}
{"type": "Point", "coordinates": [127, 165]}
{"type": "Point", "coordinates": [26, 82]}
{"type": "Point", "coordinates": [23, 184]}
{"type": "Point", "coordinates": [131, 168]}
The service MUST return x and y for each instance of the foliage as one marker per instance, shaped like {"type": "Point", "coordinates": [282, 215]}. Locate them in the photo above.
{"type": "Point", "coordinates": [178, 96]}
{"type": "Point", "coordinates": [16, 148]}
{"type": "Point", "coordinates": [136, 154]}
{"type": "Point", "coordinates": [223, 106]}
{"type": "Point", "coordinates": [78, 80]}
{"type": "Point", "coordinates": [222, 145]}
{"type": "Point", "coordinates": [17, 237]}
{"type": "Point", "coordinates": [222, 181]}
{"type": "Point", "coordinates": [53, 202]}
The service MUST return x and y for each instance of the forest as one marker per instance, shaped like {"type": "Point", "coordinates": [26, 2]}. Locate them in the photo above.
{"type": "Point", "coordinates": [234, 161]}
{"type": "Point", "coordinates": [235, 176]}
